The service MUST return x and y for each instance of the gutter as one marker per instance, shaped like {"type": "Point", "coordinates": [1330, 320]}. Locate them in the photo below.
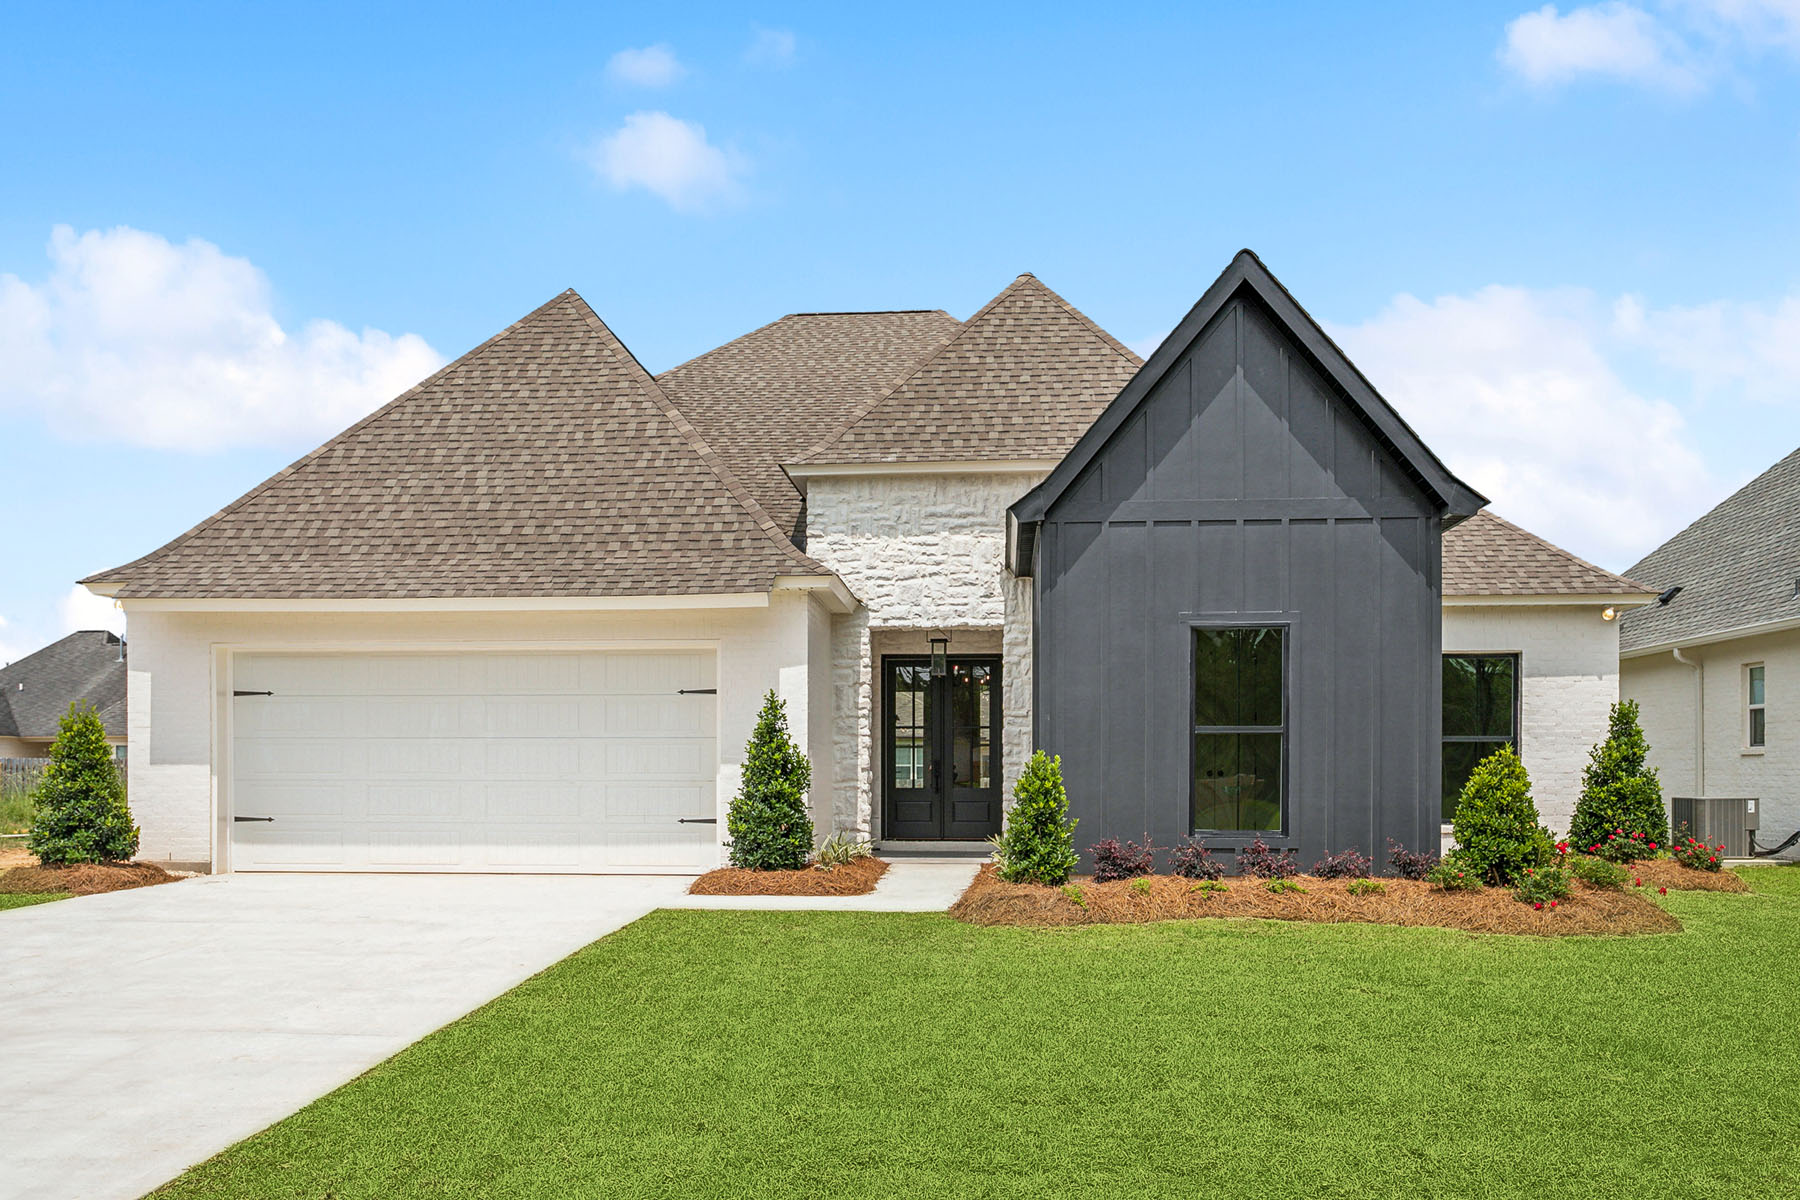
{"type": "Point", "coordinates": [1699, 670]}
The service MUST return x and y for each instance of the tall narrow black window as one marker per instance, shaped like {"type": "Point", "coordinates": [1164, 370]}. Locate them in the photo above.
{"type": "Point", "coordinates": [1481, 714]}
{"type": "Point", "coordinates": [1240, 729]}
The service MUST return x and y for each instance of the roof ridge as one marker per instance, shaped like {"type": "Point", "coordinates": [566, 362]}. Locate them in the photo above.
{"type": "Point", "coordinates": [693, 438]}
{"type": "Point", "coordinates": [316, 452]}
{"type": "Point", "coordinates": [865, 407]}
{"type": "Point", "coordinates": [1093, 326]}
{"type": "Point", "coordinates": [744, 337]}
{"type": "Point", "coordinates": [1568, 554]}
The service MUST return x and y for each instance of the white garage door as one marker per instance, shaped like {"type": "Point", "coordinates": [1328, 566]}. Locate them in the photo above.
{"type": "Point", "coordinates": [473, 762]}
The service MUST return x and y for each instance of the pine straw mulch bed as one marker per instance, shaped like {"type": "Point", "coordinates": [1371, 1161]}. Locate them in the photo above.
{"type": "Point", "coordinates": [1666, 872]}
{"type": "Point", "coordinates": [86, 879]}
{"type": "Point", "coordinates": [990, 901]}
{"type": "Point", "coordinates": [854, 878]}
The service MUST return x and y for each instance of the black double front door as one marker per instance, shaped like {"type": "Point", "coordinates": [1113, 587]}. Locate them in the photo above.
{"type": "Point", "coordinates": [941, 760]}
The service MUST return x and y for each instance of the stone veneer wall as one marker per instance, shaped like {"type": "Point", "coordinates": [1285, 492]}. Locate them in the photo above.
{"type": "Point", "coordinates": [921, 552]}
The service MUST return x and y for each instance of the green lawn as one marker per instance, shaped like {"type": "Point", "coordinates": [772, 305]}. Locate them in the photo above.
{"type": "Point", "coordinates": [848, 1055]}
{"type": "Point", "coordinates": [8, 900]}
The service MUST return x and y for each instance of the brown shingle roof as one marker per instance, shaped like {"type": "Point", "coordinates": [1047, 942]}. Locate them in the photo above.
{"type": "Point", "coordinates": [1022, 378]}
{"type": "Point", "coordinates": [769, 395]}
{"type": "Point", "coordinates": [1487, 555]}
{"type": "Point", "coordinates": [545, 462]}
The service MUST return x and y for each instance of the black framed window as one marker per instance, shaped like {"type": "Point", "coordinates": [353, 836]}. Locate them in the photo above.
{"type": "Point", "coordinates": [1240, 729]}
{"type": "Point", "coordinates": [1481, 714]}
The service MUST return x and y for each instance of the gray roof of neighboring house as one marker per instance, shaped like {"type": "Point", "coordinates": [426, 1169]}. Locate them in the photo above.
{"type": "Point", "coordinates": [545, 462]}
{"type": "Point", "coordinates": [1738, 566]}
{"type": "Point", "coordinates": [36, 691]}
{"type": "Point", "coordinates": [1487, 555]}
{"type": "Point", "coordinates": [1022, 379]}
{"type": "Point", "coordinates": [771, 394]}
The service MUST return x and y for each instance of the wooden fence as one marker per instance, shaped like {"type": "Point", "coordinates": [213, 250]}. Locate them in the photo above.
{"type": "Point", "coordinates": [21, 774]}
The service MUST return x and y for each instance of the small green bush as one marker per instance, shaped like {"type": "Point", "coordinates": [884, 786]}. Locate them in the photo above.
{"type": "Point", "coordinates": [840, 849]}
{"type": "Point", "coordinates": [768, 824]}
{"type": "Point", "coordinates": [1279, 885]}
{"type": "Point", "coordinates": [1209, 887]}
{"type": "Point", "coordinates": [1076, 896]}
{"type": "Point", "coordinates": [1141, 886]}
{"type": "Point", "coordinates": [1620, 813]}
{"type": "Point", "coordinates": [1039, 843]}
{"type": "Point", "coordinates": [1597, 872]}
{"type": "Point", "coordinates": [1366, 887]}
{"type": "Point", "coordinates": [1542, 885]}
{"type": "Point", "coordinates": [1453, 874]}
{"type": "Point", "coordinates": [1497, 830]}
{"type": "Point", "coordinates": [80, 814]}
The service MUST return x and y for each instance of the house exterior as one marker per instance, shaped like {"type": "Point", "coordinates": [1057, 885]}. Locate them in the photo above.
{"type": "Point", "coordinates": [522, 618]}
{"type": "Point", "coordinates": [1714, 663]}
{"type": "Point", "coordinates": [36, 691]}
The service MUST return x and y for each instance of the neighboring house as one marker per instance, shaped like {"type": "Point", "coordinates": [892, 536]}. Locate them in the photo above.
{"type": "Point", "coordinates": [522, 617]}
{"type": "Point", "coordinates": [1714, 664]}
{"type": "Point", "coordinates": [36, 691]}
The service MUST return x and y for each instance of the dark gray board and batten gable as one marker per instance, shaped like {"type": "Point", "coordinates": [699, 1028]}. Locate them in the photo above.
{"type": "Point", "coordinates": [1248, 476]}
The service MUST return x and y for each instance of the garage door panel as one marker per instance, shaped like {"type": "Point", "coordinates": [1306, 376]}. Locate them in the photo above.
{"type": "Point", "coordinates": [474, 762]}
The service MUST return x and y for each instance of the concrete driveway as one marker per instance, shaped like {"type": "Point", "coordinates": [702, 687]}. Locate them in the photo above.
{"type": "Point", "coordinates": [144, 1031]}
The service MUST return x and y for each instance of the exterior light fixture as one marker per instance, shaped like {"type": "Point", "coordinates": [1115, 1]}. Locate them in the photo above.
{"type": "Point", "coordinates": [1608, 613]}
{"type": "Point", "coordinates": [940, 656]}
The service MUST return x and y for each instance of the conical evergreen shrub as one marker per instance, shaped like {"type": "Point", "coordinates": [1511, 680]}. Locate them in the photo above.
{"type": "Point", "coordinates": [81, 815]}
{"type": "Point", "coordinates": [1619, 790]}
{"type": "Point", "coordinates": [1497, 830]}
{"type": "Point", "coordinates": [1039, 843]}
{"type": "Point", "coordinates": [768, 824]}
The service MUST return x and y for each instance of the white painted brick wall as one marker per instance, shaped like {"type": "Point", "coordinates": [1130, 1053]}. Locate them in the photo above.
{"type": "Point", "coordinates": [1664, 690]}
{"type": "Point", "coordinates": [177, 698]}
{"type": "Point", "coordinates": [921, 552]}
{"type": "Point", "coordinates": [1569, 668]}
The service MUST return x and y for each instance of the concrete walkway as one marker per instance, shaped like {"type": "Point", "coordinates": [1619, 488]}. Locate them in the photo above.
{"type": "Point", "coordinates": [908, 886]}
{"type": "Point", "coordinates": [144, 1031]}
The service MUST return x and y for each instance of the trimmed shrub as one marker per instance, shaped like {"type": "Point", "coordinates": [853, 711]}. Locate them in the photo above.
{"type": "Point", "coordinates": [1039, 843]}
{"type": "Point", "coordinates": [768, 824]}
{"type": "Point", "coordinates": [1345, 864]}
{"type": "Point", "coordinates": [1452, 874]}
{"type": "Point", "coordinates": [1365, 887]}
{"type": "Point", "coordinates": [1262, 861]}
{"type": "Point", "coordinates": [1410, 864]}
{"type": "Point", "coordinates": [1121, 860]}
{"type": "Point", "coordinates": [1597, 872]}
{"type": "Point", "coordinates": [1542, 885]}
{"type": "Point", "coordinates": [1694, 854]}
{"type": "Point", "coordinates": [1621, 803]}
{"type": "Point", "coordinates": [80, 814]}
{"type": "Point", "coordinates": [1497, 829]}
{"type": "Point", "coordinates": [1192, 860]}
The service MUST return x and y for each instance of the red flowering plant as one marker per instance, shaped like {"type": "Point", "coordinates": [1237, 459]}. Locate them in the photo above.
{"type": "Point", "coordinates": [1695, 854]}
{"type": "Point", "coordinates": [1622, 847]}
{"type": "Point", "coordinates": [1544, 886]}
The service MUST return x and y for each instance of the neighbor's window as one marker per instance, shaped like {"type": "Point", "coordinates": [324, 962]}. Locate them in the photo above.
{"type": "Point", "coordinates": [1753, 705]}
{"type": "Point", "coordinates": [1240, 729]}
{"type": "Point", "coordinates": [1481, 714]}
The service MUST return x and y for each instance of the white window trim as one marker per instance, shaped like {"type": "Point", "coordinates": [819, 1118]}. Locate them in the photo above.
{"type": "Point", "coordinates": [1749, 708]}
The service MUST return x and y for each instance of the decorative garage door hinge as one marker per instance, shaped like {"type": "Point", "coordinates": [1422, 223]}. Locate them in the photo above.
{"type": "Point", "coordinates": [242, 693]}
{"type": "Point", "coordinates": [697, 692]}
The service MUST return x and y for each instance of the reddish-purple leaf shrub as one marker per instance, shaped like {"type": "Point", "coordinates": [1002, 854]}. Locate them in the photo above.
{"type": "Point", "coordinates": [1192, 860]}
{"type": "Point", "coordinates": [1410, 864]}
{"type": "Point", "coordinates": [1345, 864]}
{"type": "Point", "coordinates": [1265, 862]}
{"type": "Point", "coordinates": [1116, 860]}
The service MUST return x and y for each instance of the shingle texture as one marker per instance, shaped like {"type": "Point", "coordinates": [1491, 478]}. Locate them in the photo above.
{"type": "Point", "coordinates": [1022, 378]}
{"type": "Point", "coordinates": [36, 691]}
{"type": "Point", "coordinates": [768, 396]}
{"type": "Point", "coordinates": [1737, 566]}
{"type": "Point", "coordinates": [1487, 555]}
{"type": "Point", "coordinates": [545, 462]}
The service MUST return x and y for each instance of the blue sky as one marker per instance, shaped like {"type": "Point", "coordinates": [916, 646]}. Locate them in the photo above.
{"type": "Point", "coordinates": [1561, 240]}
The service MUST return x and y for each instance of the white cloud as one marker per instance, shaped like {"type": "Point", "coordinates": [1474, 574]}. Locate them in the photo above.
{"type": "Point", "coordinates": [12, 649]}
{"type": "Point", "coordinates": [669, 158]}
{"type": "Point", "coordinates": [770, 48]}
{"type": "Point", "coordinates": [1682, 48]}
{"type": "Point", "coordinates": [1516, 390]}
{"type": "Point", "coordinates": [134, 338]}
{"type": "Point", "coordinates": [651, 66]}
{"type": "Point", "coordinates": [1611, 39]}
{"type": "Point", "coordinates": [81, 609]}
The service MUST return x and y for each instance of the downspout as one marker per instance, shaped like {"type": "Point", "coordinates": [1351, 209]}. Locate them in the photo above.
{"type": "Point", "coordinates": [1699, 720]}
